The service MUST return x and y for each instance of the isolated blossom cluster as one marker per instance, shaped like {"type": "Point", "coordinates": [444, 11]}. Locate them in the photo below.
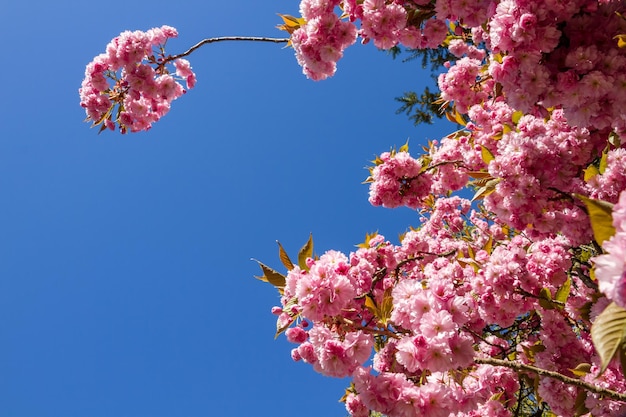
{"type": "Point", "coordinates": [130, 84]}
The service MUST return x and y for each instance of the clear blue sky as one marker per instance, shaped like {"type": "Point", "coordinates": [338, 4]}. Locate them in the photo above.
{"type": "Point", "coordinates": [126, 285]}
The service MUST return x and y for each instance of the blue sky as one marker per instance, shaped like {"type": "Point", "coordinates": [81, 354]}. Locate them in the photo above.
{"type": "Point", "coordinates": [126, 285]}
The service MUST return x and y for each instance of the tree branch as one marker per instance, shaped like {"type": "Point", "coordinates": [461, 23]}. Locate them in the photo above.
{"type": "Point", "coordinates": [555, 375]}
{"type": "Point", "coordinates": [227, 38]}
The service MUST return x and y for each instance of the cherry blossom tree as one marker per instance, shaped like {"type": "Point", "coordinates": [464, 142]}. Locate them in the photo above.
{"type": "Point", "coordinates": [512, 303]}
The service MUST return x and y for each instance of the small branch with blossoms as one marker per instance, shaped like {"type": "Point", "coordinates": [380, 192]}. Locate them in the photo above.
{"type": "Point", "coordinates": [521, 367]}
{"type": "Point", "coordinates": [130, 85]}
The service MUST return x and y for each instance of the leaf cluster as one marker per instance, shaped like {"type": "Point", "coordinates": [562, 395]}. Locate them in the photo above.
{"type": "Point", "coordinates": [278, 280]}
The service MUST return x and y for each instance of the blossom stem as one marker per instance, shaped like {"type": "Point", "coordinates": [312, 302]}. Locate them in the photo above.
{"type": "Point", "coordinates": [555, 375]}
{"type": "Point", "coordinates": [227, 38]}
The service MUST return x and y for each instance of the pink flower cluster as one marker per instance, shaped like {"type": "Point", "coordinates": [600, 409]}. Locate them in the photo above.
{"type": "Point", "coordinates": [326, 289]}
{"type": "Point", "coordinates": [537, 164]}
{"type": "Point", "coordinates": [608, 185]}
{"type": "Point", "coordinates": [462, 84]}
{"type": "Point", "coordinates": [431, 312]}
{"type": "Point", "coordinates": [539, 54]}
{"type": "Point", "coordinates": [130, 85]}
{"type": "Point", "coordinates": [333, 354]}
{"type": "Point", "coordinates": [320, 43]}
{"type": "Point", "coordinates": [555, 56]}
{"type": "Point", "coordinates": [613, 379]}
{"type": "Point", "coordinates": [383, 22]}
{"type": "Point", "coordinates": [399, 181]}
{"type": "Point", "coordinates": [454, 300]}
{"type": "Point", "coordinates": [558, 336]}
{"type": "Point", "coordinates": [387, 23]}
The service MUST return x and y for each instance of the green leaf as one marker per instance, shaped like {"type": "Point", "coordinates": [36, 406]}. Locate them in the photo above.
{"type": "Point", "coordinates": [470, 252]}
{"type": "Point", "coordinates": [581, 369]}
{"type": "Point", "coordinates": [305, 252]}
{"type": "Point", "coordinates": [486, 154]}
{"type": "Point", "coordinates": [545, 299]}
{"type": "Point", "coordinates": [458, 117]}
{"type": "Point", "coordinates": [600, 216]}
{"type": "Point", "coordinates": [489, 188]}
{"type": "Point", "coordinates": [455, 117]}
{"type": "Point", "coordinates": [378, 161]}
{"type": "Point", "coordinates": [516, 116]}
{"type": "Point", "coordinates": [579, 404]}
{"type": "Point", "coordinates": [370, 304]}
{"type": "Point", "coordinates": [291, 23]}
{"type": "Point", "coordinates": [489, 245]}
{"type": "Point", "coordinates": [273, 277]}
{"type": "Point", "coordinates": [590, 172]}
{"type": "Point", "coordinates": [105, 115]}
{"type": "Point", "coordinates": [284, 258]}
{"type": "Point", "coordinates": [608, 333]}
{"type": "Point", "coordinates": [603, 160]}
{"type": "Point", "coordinates": [386, 307]}
{"type": "Point", "coordinates": [405, 147]}
{"type": "Point", "coordinates": [479, 174]}
{"type": "Point", "coordinates": [562, 294]}
{"type": "Point", "coordinates": [366, 243]}
{"type": "Point", "coordinates": [530, 351]}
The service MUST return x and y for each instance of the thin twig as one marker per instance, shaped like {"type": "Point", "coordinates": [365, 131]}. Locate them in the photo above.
{"type": "Point", "coordinates": [227, 38]}
{"type": "Point", "coordinates": [555, 375]}
{"type": "Point", "coordinates": [438, 164]}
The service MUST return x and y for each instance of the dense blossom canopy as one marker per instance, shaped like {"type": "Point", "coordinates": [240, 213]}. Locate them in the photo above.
{"type": "Point", "coordinates": [508, 276]}
{"type": "Point", "coordinates": [509, 304]}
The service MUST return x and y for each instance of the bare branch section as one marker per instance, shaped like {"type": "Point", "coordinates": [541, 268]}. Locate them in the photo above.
{"type": "Point", "coordinates": [555, 375]}
{"type": "Point", "coordinates": [228, 38]}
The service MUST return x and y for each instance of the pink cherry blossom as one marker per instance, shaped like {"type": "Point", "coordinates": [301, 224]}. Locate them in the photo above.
{"type": "Point", "coordinates": [539, 89]}
{"type": "Point", "coordinates": [399, 180]}
{"type": "Point", "coordinates": [130, 85]}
